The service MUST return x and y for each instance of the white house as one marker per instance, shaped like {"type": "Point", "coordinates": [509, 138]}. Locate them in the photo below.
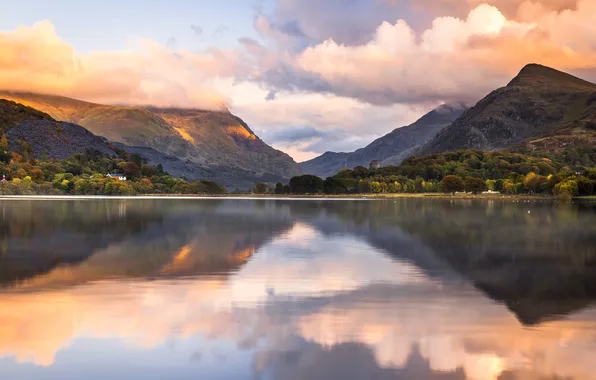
{"type": "Point", "coordinates": [119, 177]}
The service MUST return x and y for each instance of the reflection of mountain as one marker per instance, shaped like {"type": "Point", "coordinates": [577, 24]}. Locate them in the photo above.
{"type": "Point", "coordinates": [83, 241]}
{"type": "Point", "coordinates": [539, 259]}
{"type": "Point", "coordinates": [37, 236]}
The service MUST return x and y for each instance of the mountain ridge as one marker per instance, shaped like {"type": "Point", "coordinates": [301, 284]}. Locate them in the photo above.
{"type": "Point", "coordinates": [391, 148]}
{"type": "Point", "coordinates": [201, 139]}
{"type": "Point", "coordinates": [539, 103]}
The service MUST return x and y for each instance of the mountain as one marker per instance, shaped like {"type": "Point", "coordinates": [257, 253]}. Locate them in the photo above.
{"type": "Point", "coordinates": [29, 129]}
{"type": "Point", "coordinates": [54, 139]}
{"type": "Point", "coordinates": [541, 107]}
{"type": "Point", "coordinates": [12, 114]}
{"type": "Point", "coordinates": [392, 148]}
{"type": "Point", "coordinates": [202, 141]}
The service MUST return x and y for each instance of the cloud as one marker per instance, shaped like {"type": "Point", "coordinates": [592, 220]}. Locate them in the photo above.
{"type": "Point", "coordinates": [349, 22]}
{"type": "Point", "coordinates": [510, 8]}
{"type": "Point", "coordinates": [455, 59]}
{"type": "Point", "coordinates": [341, 124]}
{"type": "Point", "coordinates": [345, 21]}
{"type": "Point", "coordinates": [293, 134]}
{"type": "Point", "coordinates": [36, 59]}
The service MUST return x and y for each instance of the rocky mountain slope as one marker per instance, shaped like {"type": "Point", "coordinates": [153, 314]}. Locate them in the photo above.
{"type": "Point", "coordinates": [542, 108]}
{"type": "Point", "coordinates": [31, 130]}
{"type": "Point", "coordinates": [391, 148]}
{"type": "Point", "coordinates": [54, 139]}
{"type": "Point", "coordinates": [202, 141]}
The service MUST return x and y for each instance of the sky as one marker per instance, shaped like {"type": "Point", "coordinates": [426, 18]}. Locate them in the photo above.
{"type": "Point", "coordinates": [309, 76]}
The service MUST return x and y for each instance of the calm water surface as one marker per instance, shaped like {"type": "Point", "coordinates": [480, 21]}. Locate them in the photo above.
{"type": "Point", "coordinates": [266, 289]}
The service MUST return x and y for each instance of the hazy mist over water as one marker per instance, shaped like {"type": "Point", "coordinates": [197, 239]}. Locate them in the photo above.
{"type": "Point", "coordinates": [281, 289]}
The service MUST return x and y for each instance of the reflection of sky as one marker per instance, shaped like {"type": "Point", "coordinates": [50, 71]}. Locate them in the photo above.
{"type": "Point", "coordinates": [305, 306]}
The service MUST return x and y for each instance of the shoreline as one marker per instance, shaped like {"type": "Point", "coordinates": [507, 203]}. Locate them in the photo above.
{"type": "Point", "coordinates": [356, 197]}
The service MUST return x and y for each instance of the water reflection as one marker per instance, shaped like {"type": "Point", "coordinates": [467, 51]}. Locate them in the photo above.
{"type": "Point", "coordinates": [405, 289]}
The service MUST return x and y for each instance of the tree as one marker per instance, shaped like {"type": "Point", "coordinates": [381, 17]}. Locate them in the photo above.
{"type": "Point", "coordinates": [334, 185]}
{"type": "Point", "coordinates": [130, 169]}
{"type": "Point", "coordinates": [279, 188]}
{"type": "Point", "coordinates": [533, 182]}
{"type": "Point", "coordinates": [260, 188]}
{"type": "Point", "coordinates": [148, 170]}
{"type": "Point", "coordinates": [115, 187]}
{"type": "Point", "coordinates": [565, 189]}
{"type": "Point", "coordinates": [475, 185]}
{"type": "Point", "coordinates": [137, 159]}
{"type": "Point", "coordinates": [213, 187]}
{"type": "Point", "coordinates": [306, 184]}
{"type": "Point", "coordinates": [585, 187]}
{"type": "Point", "coordinates": [361, 172]}
{"type": "Point", "coordinates": [4, 143]}
{"type": "Point", "coordinates": [144, 186]}
{"type": "Point", "coordinates": [5, 157]}
{"type": "Point", "coordinates": [364, 186]}
{"type": "Point", "coordinates": [451, 184]}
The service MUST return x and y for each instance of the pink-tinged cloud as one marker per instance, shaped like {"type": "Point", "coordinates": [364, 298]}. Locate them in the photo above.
{"type": "Point", "coordinates": [510, 8]}
{"type": "Point", "coordinates": [36, 59]}
{"type": "Point", "coordinates": [455, 59]}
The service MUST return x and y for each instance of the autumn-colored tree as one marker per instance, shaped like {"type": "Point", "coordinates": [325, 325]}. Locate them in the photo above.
{"type": "Point", "coordinates": [533, 182]}
{"type": "Point", "coordinates": [452, 184]}
{"type": "Point", "coordinates": [3, 143]}
{"type": "Point", "coordinates": [130, 169]}
{"type": "Point", "coordinates": [37, 174]}
{"type": "Point", "coordinates": [566, 189]}
{"type": "Point", "coordinates": [16, 157]}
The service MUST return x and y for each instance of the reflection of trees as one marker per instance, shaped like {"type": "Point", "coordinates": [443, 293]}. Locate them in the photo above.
{"type": "Point", "coordinates": [131, 238]}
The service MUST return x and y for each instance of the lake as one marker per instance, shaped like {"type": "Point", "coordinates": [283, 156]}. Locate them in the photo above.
{"type": "Point", "coordinates": [297, 289]}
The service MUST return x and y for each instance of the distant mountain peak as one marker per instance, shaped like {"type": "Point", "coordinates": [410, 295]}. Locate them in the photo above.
{"type": "Point", "coordinates": [540, 102]}
{"type": "Point", "coordinates": [534, 73]}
